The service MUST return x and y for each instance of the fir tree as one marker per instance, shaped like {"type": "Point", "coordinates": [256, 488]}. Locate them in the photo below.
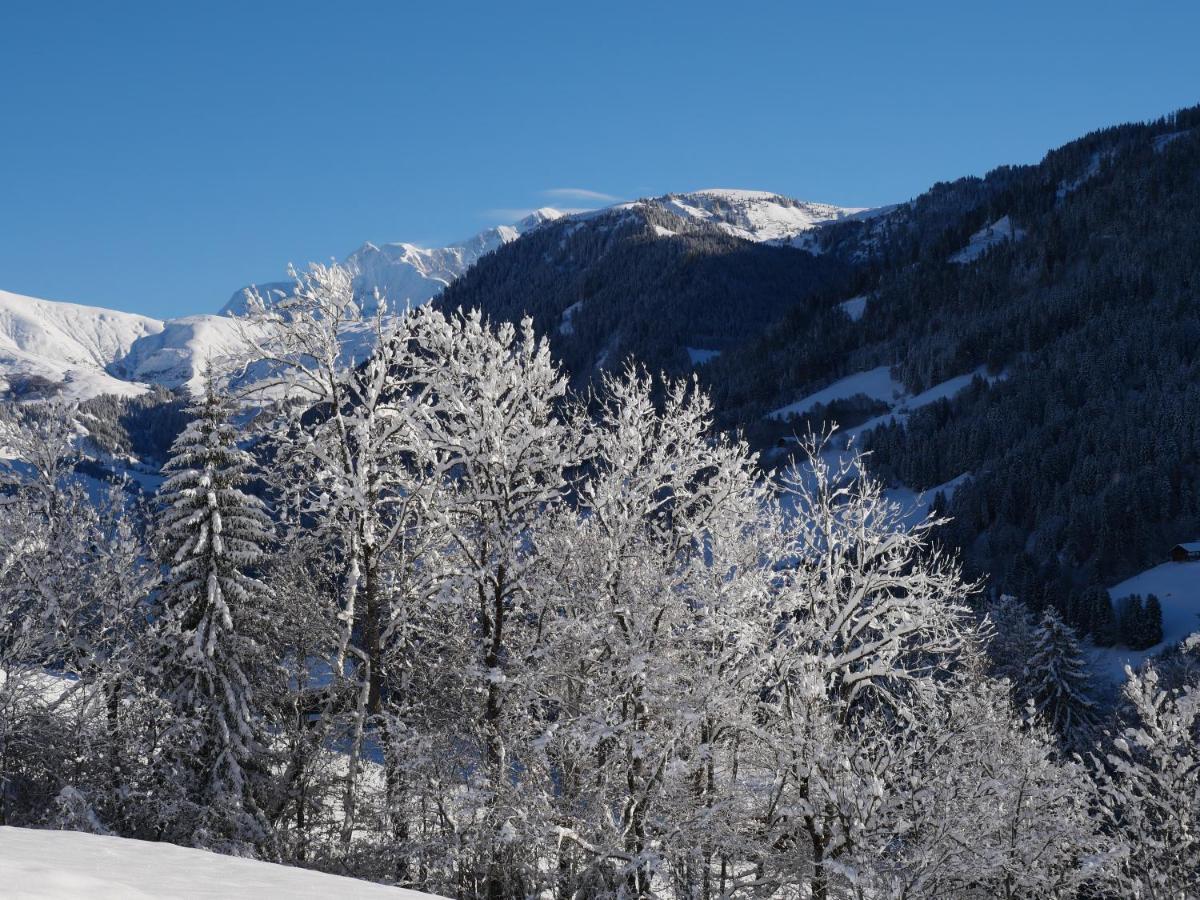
{"type": "Point", "coordinates": [1058, 681]}
{"type": "Point", "coordinates": [210, 614]}
{"type": "Point", "coordinates": [1103, 618]}
{"type": "Point", "coordinates": [1152, 624]}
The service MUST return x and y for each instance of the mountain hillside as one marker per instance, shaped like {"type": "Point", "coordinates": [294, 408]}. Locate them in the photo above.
{"type": "Point", "coordinates": [1072, 289]}
{"type": "Point", "coordinates": [752, 215]}
{"type": "Point", "coordinates": [669, 280]}
{"type": "Point", "coordinates": [44, 343]}
{"type": "Point", "coordinates": [1060, 300]}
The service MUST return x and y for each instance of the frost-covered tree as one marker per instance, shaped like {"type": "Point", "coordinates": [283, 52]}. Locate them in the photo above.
{"type": "Point", "coordinates": [1150, 787]}
{"type": "Point", "coordinates": [345, 471]}
{"type": "Point", "coordinates": [492, 430]}
{"type": "Point", "coordinates": [982, 804]}
{"type": "Point", "coordinates": [213, 617]}
{"type": "Point", "coordinates": [1057, 683]}
{"type": "Point", "coordinates": [870, 625]}
{"type": "Point", "coordinates": [661, 579]}
{"type": "Point", "coordinates": [1010, 642]}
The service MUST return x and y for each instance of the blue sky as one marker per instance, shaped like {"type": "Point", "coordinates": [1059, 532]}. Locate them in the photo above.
{"type": "Point", "coordinates": [155, 157]}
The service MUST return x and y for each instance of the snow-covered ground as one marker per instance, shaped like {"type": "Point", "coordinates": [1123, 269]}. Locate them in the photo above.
{"type": "Point", "coordinates": [987, 237]}
{"type": "Point", "coordinates": [1177, 586]}
{"type": "Point", "coordinates": [878, 384]}
{"type": "Point", "coordinates": [65, 865]}
{"type": "Point", "coordinates": [753, 215]}
{"type": "Point", "coordinates": [699, 356]}
{"type": "Point", "coordinates": [854, 307]}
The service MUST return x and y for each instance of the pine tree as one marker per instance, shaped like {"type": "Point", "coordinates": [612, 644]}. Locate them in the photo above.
{"type": "Point", "coordinates": [210, 616]}
{"type": "Point", "coordinates": [1152, 621]}
{"type": "Point", "coordinates": [1104, 620]}
{"type": "Point", "coordinates": [1058, 681]}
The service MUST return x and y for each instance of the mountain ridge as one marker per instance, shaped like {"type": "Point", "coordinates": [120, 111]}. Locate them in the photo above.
{"type": "Point", "coordinates": [39, 360]}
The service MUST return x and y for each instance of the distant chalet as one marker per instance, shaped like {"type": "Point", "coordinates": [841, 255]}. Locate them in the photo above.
{"type": "Point", "coordinates": [1186, 552]}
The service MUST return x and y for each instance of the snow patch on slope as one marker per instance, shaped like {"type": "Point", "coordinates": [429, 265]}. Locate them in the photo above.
{"type": "Point", "coordinates": [57, 865]}
{"type": "Point", "coordinates": [986, 238]}
{"type": "Point", "coordinates": [176, 356]}
{"type": "Point", "coordinates": [699, 356]}
{"type": "Point", "coordinates": [878, 384]}
{"type": "Point", "coordinates": [1177, 586]}
{"type": "Point", "coordinates": [854, 307]}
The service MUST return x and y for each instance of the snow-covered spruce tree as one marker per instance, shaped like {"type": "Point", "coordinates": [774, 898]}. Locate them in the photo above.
{"type": "Point", "coordinates": [212, 617]}
{"type": "Point", "coordinates": [1057, 682]}
{"type": "Point", "coordinates": [1010, 642]}
{"type": "Point", "coordinates": [1150, 787]}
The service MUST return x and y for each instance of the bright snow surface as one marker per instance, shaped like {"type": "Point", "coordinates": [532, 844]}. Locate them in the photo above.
{"type": "Point", "coordinates": [753, 215]}
{"type": "Point", "coordinates": [878, 384]}
{"type": "Point", "coordinates": [1177, 586]}
{"type": "Point", "coordinates": [987, 237]}
{"type": "Point", "coordinates": [406, 274]}
{"type": "Point", "coordinates": [854, 307]}
{"type": "Point", "coordinates": [68, 343]}
{"type": "Point", "coordinates": [67, 864]}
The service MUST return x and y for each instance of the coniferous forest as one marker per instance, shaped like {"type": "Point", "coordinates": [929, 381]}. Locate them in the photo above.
{"type": "Point", "coordinates": [442, 620]}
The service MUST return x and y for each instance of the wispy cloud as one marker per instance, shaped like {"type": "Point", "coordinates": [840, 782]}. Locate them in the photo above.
{"type": "Point", "coordinates": [581, 194]}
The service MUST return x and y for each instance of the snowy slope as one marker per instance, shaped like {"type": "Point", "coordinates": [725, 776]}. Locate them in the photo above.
{"type": "Point", "coordinates": [986, 238]}
{"type": "Point", "coordinates": [753, 215]}
{"type": "Point", "coordinates": [175, 357]}
{"type": "Point", "coordinates": [66, 865]}
{"type": "Point", "coordinates": [1177, 586]}
{"type": "Point", "coordinates": [67, 343]}
{"type": "Point", "coordinates": [878, 384]}
{"type": "Point", "coordinates": [405, 274]}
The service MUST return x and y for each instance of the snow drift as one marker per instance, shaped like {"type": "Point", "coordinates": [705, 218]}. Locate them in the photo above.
{"type": "Point", "coordinates": [68, 864]}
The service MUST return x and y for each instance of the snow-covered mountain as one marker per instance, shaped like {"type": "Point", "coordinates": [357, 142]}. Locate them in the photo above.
{"type": "Point", "coordinates": [46, 342]}
{"type": "Point", "coordinates": [753, 215]}
{"type": "Point", "coordinates": [175, 357]}
{"type": "Point", "coordinates": [405, 274]}
{"type": "Point", "coordinates": [49, 347]}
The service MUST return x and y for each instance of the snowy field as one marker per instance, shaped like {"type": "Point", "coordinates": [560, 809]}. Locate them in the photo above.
{"type": "Point", "coordinates": [1177, 586]}
{"type": "Point", "coordinates": [66, 864]}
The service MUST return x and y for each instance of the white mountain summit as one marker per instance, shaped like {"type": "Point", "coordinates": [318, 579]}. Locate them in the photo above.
{"type": "Point", "coordinates": [752, 215]}
{"type": "Point", "coordinates": [407, 274]}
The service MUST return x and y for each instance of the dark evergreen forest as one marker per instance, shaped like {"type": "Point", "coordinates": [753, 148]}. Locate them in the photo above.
{"type": "Point", "coordinates": [1084, 458]}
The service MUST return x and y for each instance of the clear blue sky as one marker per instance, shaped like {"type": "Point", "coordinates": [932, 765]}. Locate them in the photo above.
{"type": "Point", "coordinates": [157, 156]}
